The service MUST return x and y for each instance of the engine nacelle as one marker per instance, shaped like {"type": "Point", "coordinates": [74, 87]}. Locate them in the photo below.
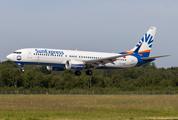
{"type": "Point", "coordinates": [74, 65]}
{"type": "Point", "coordinates": [51, 68]}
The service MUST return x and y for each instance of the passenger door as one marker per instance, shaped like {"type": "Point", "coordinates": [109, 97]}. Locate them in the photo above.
{"type": "Point", "coordinates": [29, 54]}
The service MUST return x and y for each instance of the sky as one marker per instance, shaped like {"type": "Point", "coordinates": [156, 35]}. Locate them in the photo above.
{"type": "Point", "coordinates": [89, 25]}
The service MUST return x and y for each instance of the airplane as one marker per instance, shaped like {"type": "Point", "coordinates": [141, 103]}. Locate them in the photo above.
{"type": "Point", "coordinates": [58, 59]}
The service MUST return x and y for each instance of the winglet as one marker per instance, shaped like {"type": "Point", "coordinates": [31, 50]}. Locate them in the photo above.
{"type": "Point", "coordinates": [138, 48]}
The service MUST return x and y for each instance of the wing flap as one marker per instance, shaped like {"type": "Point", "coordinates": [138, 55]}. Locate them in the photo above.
{"type": "Point", "coordinates": [104, 61]}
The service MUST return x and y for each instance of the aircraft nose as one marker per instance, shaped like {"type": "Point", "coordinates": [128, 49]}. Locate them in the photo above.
{"type": "Point", "coordinates": [9, 57]}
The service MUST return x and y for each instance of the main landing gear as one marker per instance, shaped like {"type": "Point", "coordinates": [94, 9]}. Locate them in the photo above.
{"type": "Point", "coordinates": [78, 73]}
{"type": "Point", "coordinates": [88, 72]}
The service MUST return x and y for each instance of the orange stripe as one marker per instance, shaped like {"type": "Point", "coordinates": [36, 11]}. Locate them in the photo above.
{"type": "Point", "coordinates": [78, 64]}
{"type": "Point", "coordinates": [130, 51]}
{"type": "Point", "coordinates": [144, 51]}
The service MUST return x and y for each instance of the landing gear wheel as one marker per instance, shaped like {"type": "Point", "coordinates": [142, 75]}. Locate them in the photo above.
{"type": "Point", "coordinates": [22, 69]}
{"type": "Point", "coordinates": [77, 73]}
{"type": "Point", "coordinates": [89, 72]}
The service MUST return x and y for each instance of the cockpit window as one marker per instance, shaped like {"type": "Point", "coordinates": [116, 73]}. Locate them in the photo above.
{"type": "Point", "coordinates": [17, 52]}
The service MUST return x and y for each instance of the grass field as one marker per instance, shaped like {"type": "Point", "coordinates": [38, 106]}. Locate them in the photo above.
{"type": "Point", "coordinates": [89, 107]}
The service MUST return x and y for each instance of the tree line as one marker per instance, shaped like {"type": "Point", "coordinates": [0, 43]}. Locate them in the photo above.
{"type": "Point", "coordinates": [145, 77]}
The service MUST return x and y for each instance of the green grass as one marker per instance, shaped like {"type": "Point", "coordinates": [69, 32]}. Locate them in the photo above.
{"type": "Point", "coordinates": [97, 107]}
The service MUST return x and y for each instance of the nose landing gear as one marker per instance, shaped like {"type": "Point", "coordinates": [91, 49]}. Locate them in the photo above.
{"type": "Point", "coordinates": [22, 70]}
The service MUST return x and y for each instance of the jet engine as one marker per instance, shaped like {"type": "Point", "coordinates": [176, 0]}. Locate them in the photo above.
{"type": "Point", "coordinates": [74, 65]}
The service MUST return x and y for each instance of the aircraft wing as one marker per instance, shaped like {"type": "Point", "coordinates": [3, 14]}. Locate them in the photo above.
{"type": "Point", "coordinates": [149, 58]}
{"type": "Point", "coordinates": [103, 61]}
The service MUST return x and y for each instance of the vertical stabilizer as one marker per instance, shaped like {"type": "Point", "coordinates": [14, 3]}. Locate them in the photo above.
{"type": "Point", "coordinates": [145, 42]}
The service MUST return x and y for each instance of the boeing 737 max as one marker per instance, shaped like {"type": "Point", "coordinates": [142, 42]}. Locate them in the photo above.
{"type": "Point", "coordinates": [58, 60]}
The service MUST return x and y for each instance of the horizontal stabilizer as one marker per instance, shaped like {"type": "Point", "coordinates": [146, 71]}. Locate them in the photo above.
{"type": "Point", "coordinates": [149, 58]}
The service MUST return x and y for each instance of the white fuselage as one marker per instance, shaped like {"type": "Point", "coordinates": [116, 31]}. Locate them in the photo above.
{"type": "Point", "coordinates": [58, 57]}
